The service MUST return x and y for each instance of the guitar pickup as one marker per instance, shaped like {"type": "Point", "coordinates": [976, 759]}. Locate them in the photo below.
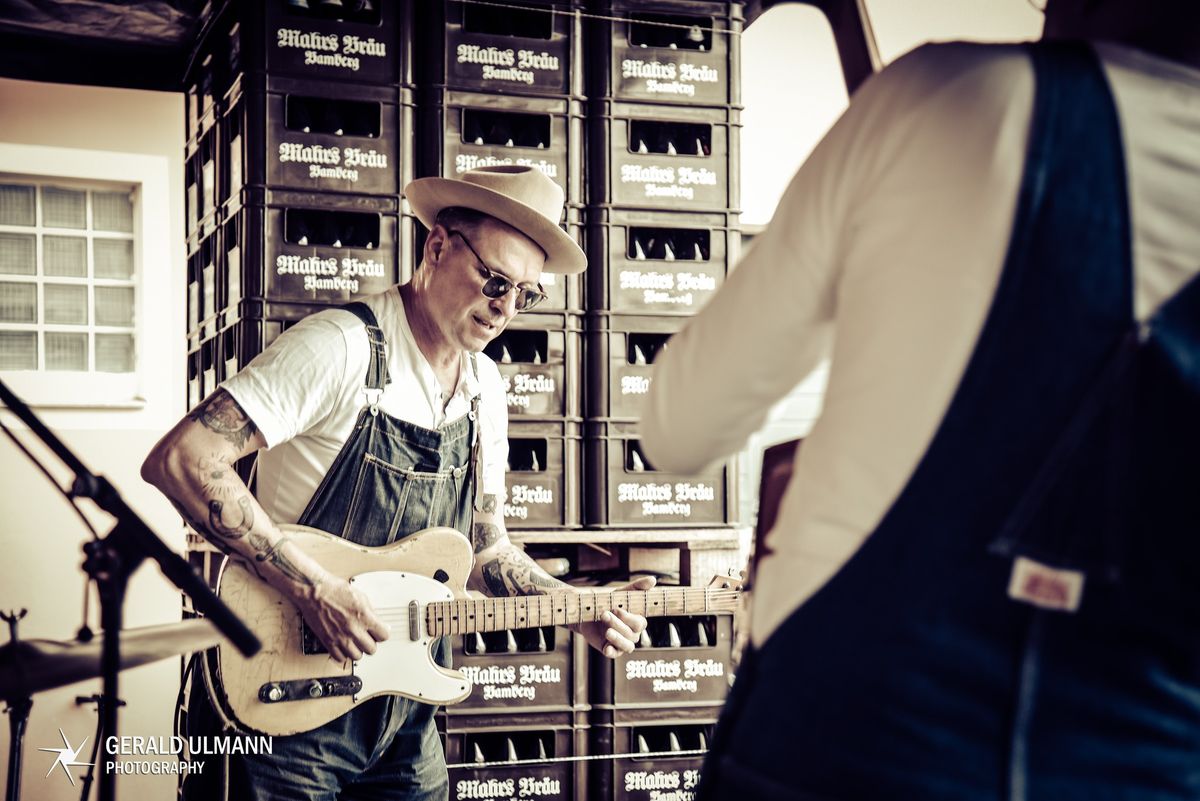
{"type": "Point", "coordinates": [275, 692]}
{"type": "Point", "coordinates": [309, 644]}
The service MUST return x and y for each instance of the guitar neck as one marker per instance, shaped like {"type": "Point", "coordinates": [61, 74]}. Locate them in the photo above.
{"type": "Point", "coordinates": [569, 607]}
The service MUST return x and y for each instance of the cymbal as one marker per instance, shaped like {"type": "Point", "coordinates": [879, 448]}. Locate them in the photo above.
{"type": "Point", "coordinates": [46, 664]}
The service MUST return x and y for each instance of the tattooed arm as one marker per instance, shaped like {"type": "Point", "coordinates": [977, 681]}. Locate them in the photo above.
{"type": "Point", "coordinates": [193, 466]}
{"type": "Point", "coordinates": [503, 569]}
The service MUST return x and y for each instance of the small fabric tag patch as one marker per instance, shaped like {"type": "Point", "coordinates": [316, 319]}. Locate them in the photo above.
{"type": "Point", "coordinates": [1045, 587]}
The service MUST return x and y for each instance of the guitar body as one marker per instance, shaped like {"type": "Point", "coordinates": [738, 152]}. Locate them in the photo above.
{"type": "Point", "coordinates": [416, 587]}
{"type": "Point", "coordinates": [396, 578]}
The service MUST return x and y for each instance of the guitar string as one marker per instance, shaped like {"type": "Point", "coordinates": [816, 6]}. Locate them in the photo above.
{"type": "Point", "coordinates": [399, 616]}
{"type": "Point", "coordinates": [666, 594]}
{"type": "Point", "coordinates": [402, 620]}
{"type": "Point", "coordinates": [718, 595]}
{"type": "Point", "coordinates": [394, 613]}
{"type": "Point", "coordinates": [580, 758]}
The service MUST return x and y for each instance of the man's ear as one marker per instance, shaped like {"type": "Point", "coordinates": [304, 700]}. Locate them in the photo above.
{"type": "Point", "coordinates": [435, 244]}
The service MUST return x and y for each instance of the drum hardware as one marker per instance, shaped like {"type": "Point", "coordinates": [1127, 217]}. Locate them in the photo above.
{"type": "Point", "coordinates": [32, 666]}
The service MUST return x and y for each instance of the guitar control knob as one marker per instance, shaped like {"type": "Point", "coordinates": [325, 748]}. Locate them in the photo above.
{"type": "Point", "coordinates": [275, 693]}
{"type": "Point", "coordinates": [315, 690]}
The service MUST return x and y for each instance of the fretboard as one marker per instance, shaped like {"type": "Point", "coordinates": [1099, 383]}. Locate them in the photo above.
{"type": "Point", "coordinates": [569, 607]}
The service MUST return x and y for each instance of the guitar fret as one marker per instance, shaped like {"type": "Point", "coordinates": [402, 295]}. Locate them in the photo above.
{"type": "Point", "coordinates": [568, 607]}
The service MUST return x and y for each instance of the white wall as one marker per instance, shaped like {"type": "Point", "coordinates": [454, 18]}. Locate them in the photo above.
{"type": "Point", "coordinates": [792, 84]}
{"type": "Point", "coordinates": [41, 537]}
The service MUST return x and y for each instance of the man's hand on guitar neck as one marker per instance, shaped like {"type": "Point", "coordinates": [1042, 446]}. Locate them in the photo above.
{"type": "Point", "coordinates": [193, 466]}
{"type": "Point", "coordinates": [617, 632]}
{"type": "Point", "coordinates": [503, 569]}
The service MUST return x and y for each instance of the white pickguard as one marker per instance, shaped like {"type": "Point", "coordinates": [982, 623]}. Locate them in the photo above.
{"type": "Point", "coordinates": [401, 664]}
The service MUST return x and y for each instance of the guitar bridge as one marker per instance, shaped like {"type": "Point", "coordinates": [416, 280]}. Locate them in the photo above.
{"type": "Point", "coordinates": [275, 692]}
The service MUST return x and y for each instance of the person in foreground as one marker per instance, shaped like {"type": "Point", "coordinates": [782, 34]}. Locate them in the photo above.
{"type": "Point", "coordinates": [984, 578]}
{"type": "Point", "coordinates": [378, 420]}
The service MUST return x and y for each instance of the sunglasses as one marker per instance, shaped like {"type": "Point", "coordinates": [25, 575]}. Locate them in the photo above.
{"type": "Point", "coordinates": [497, 286]}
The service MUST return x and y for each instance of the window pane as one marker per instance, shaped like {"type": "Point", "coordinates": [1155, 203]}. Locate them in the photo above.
{"type": "Point", "coordinates": [16, 205]}
{"type": "Point", "coordinates": [18, 350]}
{"type": "Point", "coordinates": [63, 208]}
{"type": "Point", "coordinates": [114, 258]}
{"type": "Point", "coordinates": [66, 304]}
{"type": "Point", "coordinates": [65, 255]}
{"type": "Point", "coordinates": [114, 353]}
{"type": "Point", "coordinates": [114, 305]}
{"type": "Point", "coordinates": [18, 254]}
{"type": "Point", "coordinates": [66, 351]}
{"type": "Point", "coordinates": [18, 302]}
{"type": "Point", "coordinates": [112, 211]}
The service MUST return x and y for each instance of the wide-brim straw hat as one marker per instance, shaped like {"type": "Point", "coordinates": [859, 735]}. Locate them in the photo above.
{"type": "Point", "coordinates": [522, 196]}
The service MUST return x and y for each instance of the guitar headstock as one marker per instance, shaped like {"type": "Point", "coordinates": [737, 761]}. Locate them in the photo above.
{"type": "Point", "coordinates": [729, 582]}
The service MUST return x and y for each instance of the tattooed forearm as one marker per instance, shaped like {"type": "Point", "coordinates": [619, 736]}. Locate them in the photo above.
{"type": "Point", "coordinates": [221, 413]}
{"type": "Point", "coordinates": [206, 490]}
{"type": "Point", "coordinates": [267, 553]}
{"type": "Point", "coordinates": [235, 528]}
{"type": "Point", "coordinates": [218, 483]}
{"type": "Point", "coordinates": [493, 578]}
{"type": "Point", "coordinates": [488, 505]}
{"type": "Point", "coordinates": [538, 580]}
{"type": "Point", "coordinates": [514, 573]}
{"type": "Point", "coordinates": [215, 476]}
{"type": "Point", "coordinates": [484, 536]}
{"type": "Point", "coordinates": [197, 526]}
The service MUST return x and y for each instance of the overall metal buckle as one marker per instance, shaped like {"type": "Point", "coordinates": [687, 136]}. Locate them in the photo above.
{"type": "Point", "coordinates": [373, 396]}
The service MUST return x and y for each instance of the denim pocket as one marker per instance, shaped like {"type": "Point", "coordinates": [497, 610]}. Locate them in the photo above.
{"type": "Point", "coordinates": [389, 503]}
{"type": "Point", "coordinates": [377, 502]}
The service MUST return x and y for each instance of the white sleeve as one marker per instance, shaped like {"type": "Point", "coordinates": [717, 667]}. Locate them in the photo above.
{"type": "Point", "coordinates": [770, 324]}
{"type": "Point", "coordinates": [493, 430]}
{"type": "Point", "coordinates": [294, 384]}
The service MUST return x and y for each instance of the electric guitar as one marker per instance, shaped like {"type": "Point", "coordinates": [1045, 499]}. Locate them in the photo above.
{"type": "Point", "coordinates": [418, 588]}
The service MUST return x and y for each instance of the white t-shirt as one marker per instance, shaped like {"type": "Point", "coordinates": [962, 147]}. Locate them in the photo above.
{"type": "Point", "coordinates": [305, 391]}
{"type": "Point", "coordinates": [883, 255]}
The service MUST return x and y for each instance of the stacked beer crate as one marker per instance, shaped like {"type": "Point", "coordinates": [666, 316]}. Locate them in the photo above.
{"type": "Point", "coordinates": [201, 226]}
{"type": "Point", "coordinates": [306, 118]}
{"type": "Point", "coordinates": [300, 128]}
{"type": "Point", "coordinates": [661, 232]}
{"type": "Point", "coordinates": [663, 125]}
{"type": "Point", "coordinates": [500, 84]}
{"type": "Point", "coordinates": [654, 710]}
{"type": "Point", "coordinates": [301, 118]}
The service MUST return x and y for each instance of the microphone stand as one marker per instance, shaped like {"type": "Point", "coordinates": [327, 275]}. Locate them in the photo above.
{"type": "Point", "coordinates": [19, 705]}
{"type": "Point", "coordinates": [111, 560]}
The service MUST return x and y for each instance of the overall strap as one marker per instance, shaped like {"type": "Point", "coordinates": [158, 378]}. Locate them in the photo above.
{"type": "Point", "coordinates": [1078, 194]}
{"type": "Point", "coordinates": [377, 373]}
{"type": "Point", "coordinates": [476, 443]}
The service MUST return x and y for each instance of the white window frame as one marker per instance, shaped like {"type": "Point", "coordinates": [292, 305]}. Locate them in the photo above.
{"type": "Point", "coordinates": [149, 177]}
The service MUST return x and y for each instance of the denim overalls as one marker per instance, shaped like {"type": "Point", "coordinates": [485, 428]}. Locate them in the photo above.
{"type": "Point", "coordinates": [1024, 623]}
{"type": "Point", "coordinates": [391, 479]}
